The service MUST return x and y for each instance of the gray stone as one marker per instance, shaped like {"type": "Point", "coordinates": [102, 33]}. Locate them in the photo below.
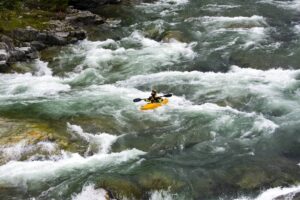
{"type": "Point", "coordinates": [38, 45]}
{"type": "Point", "coordinates": [4, 46]}
{"type": "Point", "coordinates": [7, 40]}
{"type": "Point", "coordinates": [17, 55]}
{"type": "Point", "coordinates": [51, 39]}
{"type": "Point", "coordinates": [79, 35]}
{"type": "Point", "coordinates": [3, 55]}
{"type": "Point", "coordinates": [25, 35]}
{"type": "Point", "coordinates": [3, 66]}
{"type": "Point", "coordinates": [32, 55]}
{"type": "Point", "coordinates": [84, 18]}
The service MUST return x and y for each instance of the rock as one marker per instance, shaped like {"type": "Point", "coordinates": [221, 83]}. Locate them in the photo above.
{"type": "Point", "coordinates": [51, 39]}
{"type": "Point", "coordinates": [38, 45]}
{"type": "Point", "coordinates": [4, 46]}
{"type": "Point", "coordinates": [3, 55]}
{"type": "Point", "coordinates": [17, 55]}
{"type": "Point", "coordinates": [3, 66]}
{"type": "Point", "coordinates": [173, 35]}
{"type": "Point", "coordinates": [84, 18]}
{"type": "Point", "coordinates": [32, 55]}
{"type": "Point", "coordinates": [8, 42]}
{"type": "Point", "coordinates": [79, 35]}
{"type": "Point", "coordinates": [25, 35]}
{"type": "Point", "coordinates": [291, 195]}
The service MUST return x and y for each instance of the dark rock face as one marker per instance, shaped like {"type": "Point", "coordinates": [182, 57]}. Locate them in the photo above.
{"type": "Point", "coordinates": [91, 4]}
{"type": "Point", "coordinates": [30, 41]}
{"type": "Point", "coordinates": [24, 35]}
{"type": "Point", "coordinates": [23, 44]}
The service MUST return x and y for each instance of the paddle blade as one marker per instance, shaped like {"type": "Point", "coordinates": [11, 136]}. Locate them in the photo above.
{"type": "Point", "coordinates": [137, 100]}
{"type": "Point", "coordinates": [168, 95]}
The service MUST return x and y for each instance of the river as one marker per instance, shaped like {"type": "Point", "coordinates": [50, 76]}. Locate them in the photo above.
{"type": "Point", "coordinates": [69, 127]}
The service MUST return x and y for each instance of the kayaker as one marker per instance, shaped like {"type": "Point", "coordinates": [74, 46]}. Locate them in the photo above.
{"type": "Point", "coordinates": [153, 98]}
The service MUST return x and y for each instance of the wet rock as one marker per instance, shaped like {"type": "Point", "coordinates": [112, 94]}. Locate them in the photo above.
{"type": "Point", "coordinates": [252, 180]}
{"type": "Point", "coordinates": [3, 54]}
{"type": "Point", "coordinates": [51, 39]}
{"type": "Point", "coordinates": [158, 181]}
{"type": "Point", "coordinates": [79, 35]}
{"type": "Point", "coordinates": [25, 35]}
{"type": "Point", "coordinates": [119, 188]}
{"type": "Point", "coordinates": [3, 66]}
{"type": "Point", "coordinates": [38, 45]}
{"type": "Point", "coordinates": [173, 35]}
{"type": "Point", "coordinates": [290, 196]}
{"type": "Point", "coordinates": [17, 55]}
{"type": "Point", "coordinates": [9, 44]}
{"type": "Point", "coordinates": [83, 18]}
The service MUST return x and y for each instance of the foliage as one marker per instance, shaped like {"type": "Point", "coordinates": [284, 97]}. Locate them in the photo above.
{"type": "Point", "coordinates": [11, 19]}
{"type": "Point", "coordinates": [10, 4]}
{"type": "Point", "coordinates": [49, 5]}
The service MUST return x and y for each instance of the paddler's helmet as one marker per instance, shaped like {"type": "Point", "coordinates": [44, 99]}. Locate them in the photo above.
{"type": "Point", "coordinates": [153, 92]}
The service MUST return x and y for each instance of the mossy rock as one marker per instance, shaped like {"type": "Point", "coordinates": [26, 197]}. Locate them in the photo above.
{"type": "Point", "coordinates": [159, 181]}
{"type": "Point", "coordinates": [120, 188]}
{"type": "Point", "coordinates": [173, 35]}
{"type": "Point", "coordinates": [253, 180]}
{"type": "Point", "coordinates": [10, 20]}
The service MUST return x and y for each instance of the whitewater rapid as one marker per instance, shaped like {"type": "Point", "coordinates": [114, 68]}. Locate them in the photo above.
{"type": "Point", "coordinates": [230, 130]}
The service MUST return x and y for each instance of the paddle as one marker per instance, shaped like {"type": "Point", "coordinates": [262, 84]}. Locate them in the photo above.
{"type": "Point", "coordinates": [139, 99]}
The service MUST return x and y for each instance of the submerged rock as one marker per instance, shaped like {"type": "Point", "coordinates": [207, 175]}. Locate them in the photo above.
{"type": "Point", "coordinates": [119, 188]}
{"type": "Point", "coordinates": [173, 35]}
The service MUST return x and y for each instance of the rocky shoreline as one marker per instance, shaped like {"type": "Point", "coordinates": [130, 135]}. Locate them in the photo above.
{"type": "Point", "coordinates": [23, 44]}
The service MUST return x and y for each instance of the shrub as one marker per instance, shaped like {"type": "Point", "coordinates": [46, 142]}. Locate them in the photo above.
{"type": "Point", "coordinates": [10, 4]}
{"type": "Point", "coordinates": [50, 5]}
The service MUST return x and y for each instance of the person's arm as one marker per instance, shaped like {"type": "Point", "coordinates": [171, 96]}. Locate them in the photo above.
{"type": "Point", "coordinates": [147, 99]}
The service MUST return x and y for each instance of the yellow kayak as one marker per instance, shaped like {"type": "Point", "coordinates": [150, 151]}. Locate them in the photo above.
{"type": "Point", "coordinates": [151, 106]}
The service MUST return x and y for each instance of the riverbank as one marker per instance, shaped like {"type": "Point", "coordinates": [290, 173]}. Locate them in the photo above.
{"type": "Point", "coordinates": [24, 30]}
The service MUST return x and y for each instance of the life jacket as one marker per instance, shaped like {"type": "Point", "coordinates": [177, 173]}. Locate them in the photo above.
{"type": "Point", "coordinates": [154, 99]}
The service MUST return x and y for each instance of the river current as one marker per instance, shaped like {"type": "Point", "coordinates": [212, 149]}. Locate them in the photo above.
{"type": "Point", "coordinates": [70, 130]}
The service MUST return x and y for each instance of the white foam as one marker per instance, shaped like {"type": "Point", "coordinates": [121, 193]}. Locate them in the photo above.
{"type": "Point", "coordinates": [297, 29]}
{"type": "Point", "coordinates": [26, 86]}
{"type": "Point", "coordinates": [161, 195]}
{"type": "Point", "coordinates": [163, 7]}
{"type": "Point", "coordinates": [16, 173]}
{"type": "Point", "coordinates": [258, 81]}
{"type": "Point", "coordinates": [42, 68]}
{"type": "Point", "coordinates": [15, 152]}
{"type": "Point", "coordinates": [146, 56]}
{"type": "Point", "coordinates": [218, 7]}
{"type": "Point", "coordinates": [273, 193]}
{"type": "Point", "coordinates": [90, 193]}
{"type": "Point", "coordinates": [216, 22]}
{"type": "Point", "coordinates": [23, 148]}
{"type": "Point", "coordinates": [103, 140]}
{"type": "Point", "coordinates": [289, 5]}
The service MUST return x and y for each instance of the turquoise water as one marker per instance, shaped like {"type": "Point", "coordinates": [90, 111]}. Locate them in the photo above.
{"type": "Point", "coordinates": [230, 131]}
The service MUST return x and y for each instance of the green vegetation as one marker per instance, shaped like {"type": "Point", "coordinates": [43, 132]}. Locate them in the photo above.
{"type": "Point", "coordinates": [34, 13]}
{"type": "Point", "coordinates": [11, 19]}
{"type": "Point", "coordinates": [50, 5]}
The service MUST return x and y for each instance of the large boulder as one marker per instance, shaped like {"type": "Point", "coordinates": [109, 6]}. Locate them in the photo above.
{"type": "Point", "coordinates": [51, 39]}
{"type": "Point", "coordinates": [25, 35]}
{"type": "Point", "coordinates": [81, 18]}
{"type": "Point", "coordinates": [9, 44]}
